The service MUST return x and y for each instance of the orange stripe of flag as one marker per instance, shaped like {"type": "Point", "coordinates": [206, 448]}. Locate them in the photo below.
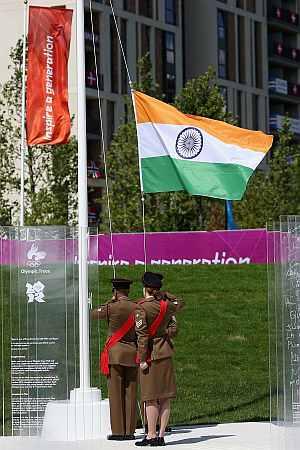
{"type": "Point", "coordinates": [149, 109]}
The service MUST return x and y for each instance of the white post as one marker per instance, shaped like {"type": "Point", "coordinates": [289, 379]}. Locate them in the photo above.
{"type": "Point", "coordinates": [82, 205]}
{"type": "Point", "coordinates": [23, 142]}
{"type": "Point", "coordinates": [84, 416]}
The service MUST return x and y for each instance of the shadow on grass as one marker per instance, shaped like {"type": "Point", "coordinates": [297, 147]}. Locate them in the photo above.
{"type": "Point", "coordinates": [200, 439]}
{"type": "Point", "coordinates": [231, 409]}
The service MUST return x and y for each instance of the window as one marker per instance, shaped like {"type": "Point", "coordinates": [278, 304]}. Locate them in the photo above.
{"type": "Point", "coordinates": [242, 49]}
{"type": "Point", "coordinates": [124, 81]}
{"type": "Point", "coordinates": [137, 48]}
{"type": "Point", "coordinates": [146, 8]}
{"type": "Point", "coordinates": [255, 112]}
{"type": "Point", "coordinates": [158, 59]}
{"type": "Point", "coordinates": [129, 5]}
{"type": "Point", "coordinates": [114, 57]}
{"type": "Point", "coordinates": [258, 55]}
{"type": "Point", "coordinates": [224, 93]}
{"type": "Point", "coordinates": [90, 69]}
{"type": "Point", "coordinates": [251, 5]}
{"type": "Point", "coordinates": [222, 57]}
{"type": "Point", "coordinates": [239, 107]}
{"type": "Point", "coordinates": [226, 45]}
{"type": "Point", "coordinates": [145, 31]}
{"type": "Point", "coordinates": [88, 29]}
{"type": "Point", "coordinates": [166, 65]}
{"type": "Point", "coordinates": [110, 120]}
{"type": "Point", "coordinates": [92, 117]}
{"type": "Point", "coordinates": [231, 47]}
{"type": "Point", "coordinates": [170, 71]}
{"type": "Point", "coordinates": [171, 11]}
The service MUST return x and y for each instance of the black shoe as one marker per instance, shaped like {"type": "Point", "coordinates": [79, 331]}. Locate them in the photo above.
{"type": "Point", "coordinates": [115, 437]}
{"type": "Point", "coordinates": [145, 442]}
{"type": "Point", "coordinates": [129, 437]}
{"type": "Point", "coordinates": [160, 441]}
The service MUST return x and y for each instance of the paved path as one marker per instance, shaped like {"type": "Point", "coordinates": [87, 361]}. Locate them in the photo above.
{"type": "Point", "coordinates": [236, 436]}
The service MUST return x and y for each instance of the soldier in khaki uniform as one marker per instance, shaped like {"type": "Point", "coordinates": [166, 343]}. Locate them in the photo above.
{"type": "Point", "coordinates": [155, 324]}
{"type": "Point", "coordinates": [118, 360]}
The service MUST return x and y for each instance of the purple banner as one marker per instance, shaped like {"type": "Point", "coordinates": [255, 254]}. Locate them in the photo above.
{"type": "Point", "coordinates": [218, 247]}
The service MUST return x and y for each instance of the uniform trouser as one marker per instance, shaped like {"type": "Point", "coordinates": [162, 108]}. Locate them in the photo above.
{"type": "Point", "coordinates": [122, 392]}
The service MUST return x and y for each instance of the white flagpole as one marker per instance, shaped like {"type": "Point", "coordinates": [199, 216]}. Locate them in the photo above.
{"type": "Point", "coordinates": [82, 204]}
{"type": "Point", "coordinates": [23, 142]}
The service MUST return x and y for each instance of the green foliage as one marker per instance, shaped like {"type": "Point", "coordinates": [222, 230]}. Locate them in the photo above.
{"type": "Point", "coordinates": [165, 211]}
{"type": "Point", "coordinates": [274, 192]}
{"type": "Point", "coordinates": [50, 171]}
{"type": "Point", "coordinates": [201, 97]}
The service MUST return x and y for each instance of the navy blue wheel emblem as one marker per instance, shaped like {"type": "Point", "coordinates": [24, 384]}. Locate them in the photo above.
{"type": "Point", "coordinates": [189, 143]}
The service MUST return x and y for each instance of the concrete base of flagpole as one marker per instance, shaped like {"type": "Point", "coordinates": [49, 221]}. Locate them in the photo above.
{"type": "Point", "coordinates": [85, 416]}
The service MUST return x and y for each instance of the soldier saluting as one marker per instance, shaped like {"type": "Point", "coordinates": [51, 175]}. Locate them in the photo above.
{"type": "Point", "coordinates": [153, 316]}
{"type": "Point", "coordinates": [118, 359]}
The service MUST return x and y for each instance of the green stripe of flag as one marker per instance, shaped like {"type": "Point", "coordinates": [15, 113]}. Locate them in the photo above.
{"type": "Point", "coordinates": [163, 174]}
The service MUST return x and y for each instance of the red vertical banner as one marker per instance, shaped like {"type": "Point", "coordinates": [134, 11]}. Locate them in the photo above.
{"type": "Point", "coordinates": [47, 111]}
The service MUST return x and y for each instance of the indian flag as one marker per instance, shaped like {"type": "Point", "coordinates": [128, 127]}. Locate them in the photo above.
{"type": "Point", "coordinates": [201, 156]}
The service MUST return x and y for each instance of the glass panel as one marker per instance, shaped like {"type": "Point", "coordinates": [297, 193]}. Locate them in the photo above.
{"type": "Point", "coordinates": [39, 326]}
{"type": "Point", "coordinates": [284, 326]}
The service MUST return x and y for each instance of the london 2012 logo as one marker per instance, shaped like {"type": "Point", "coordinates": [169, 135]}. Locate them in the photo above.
{"type": "Point", "coordinates": [189, 143]}
{"type": "Point", "coordinates": [35, 256]}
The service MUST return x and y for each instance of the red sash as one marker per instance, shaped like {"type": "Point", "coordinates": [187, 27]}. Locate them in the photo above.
{"type": "Point", "coordinates": [152, 330]}
{"type": "Point", "coordinates": [113, 340]}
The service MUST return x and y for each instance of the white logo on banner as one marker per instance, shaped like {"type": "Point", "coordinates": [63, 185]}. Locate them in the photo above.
{"type": "Point", "coordinates": [34, 254]}
{"type": "Point", "coordinates": [35, 292]}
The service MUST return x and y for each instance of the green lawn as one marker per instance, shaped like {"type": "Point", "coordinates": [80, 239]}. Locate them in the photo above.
{"type": "Point", "coordinates": [222, 346]}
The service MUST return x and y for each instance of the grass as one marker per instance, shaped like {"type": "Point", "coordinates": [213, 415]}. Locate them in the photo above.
{"type": "Point", "coordinates": [222, 347]}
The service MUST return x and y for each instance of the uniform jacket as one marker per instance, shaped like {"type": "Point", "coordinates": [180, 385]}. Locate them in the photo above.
{"type": "Point", "coordinates": [161, 345]}
{"type": "Point", "coordinates": [116, 312]}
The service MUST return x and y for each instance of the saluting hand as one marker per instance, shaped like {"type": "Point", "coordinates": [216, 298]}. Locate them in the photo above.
{"type": "Point", "coordinates": [143, 365]}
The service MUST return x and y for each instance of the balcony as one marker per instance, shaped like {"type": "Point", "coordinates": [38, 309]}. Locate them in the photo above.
{"type": "Point", "coordinates": [91, 80]}
{"type": "Point", "coordinates": [283, 16]}
{"type": "Point", "coordinates": [94, 170]}
{"type": "Point", "coordinates": [289, 55]}
{"type": "Point", "coordinates": [88, 36]}
{"type": "Point", "coordinates": [284, 87]}
{"type": "Point", "coordinates": [95, 174]}
{"type": "Point", "coordinates": [93, 215]}
{"type": "Point", "coordinates": [276, 122]}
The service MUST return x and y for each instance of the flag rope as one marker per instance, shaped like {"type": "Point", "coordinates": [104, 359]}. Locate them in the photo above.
{"type": "Point", "coordinates": [131, 89]}
{"type": "Point", "coordinates": [121, 45]}
{"type": "Point", "coordinates": [103, 145]}
{"type": "Point", "coordinates": [23, 145]}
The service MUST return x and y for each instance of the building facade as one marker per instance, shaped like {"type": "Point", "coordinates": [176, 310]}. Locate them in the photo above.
{"type": "Point", "coordinates": [231, 36]}
{"type": "Point", "coordinates": [254, 46]}
{"type": "Point", "coordinates": [145, 26]}
{"type": "Point", "coordinates": [153, 26]}
{"type": "Point", "coordinates": [284, 62]}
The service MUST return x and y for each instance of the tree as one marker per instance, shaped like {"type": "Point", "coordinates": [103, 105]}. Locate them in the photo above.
{"type": "Point", "coordinates": [51, 178]}
{"type": "Point", "coordinates": [201, 97]}
{"type": "Point", "coordinates": [276, 191]}
{"type": "Point", "coordinates": [164, 211]}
